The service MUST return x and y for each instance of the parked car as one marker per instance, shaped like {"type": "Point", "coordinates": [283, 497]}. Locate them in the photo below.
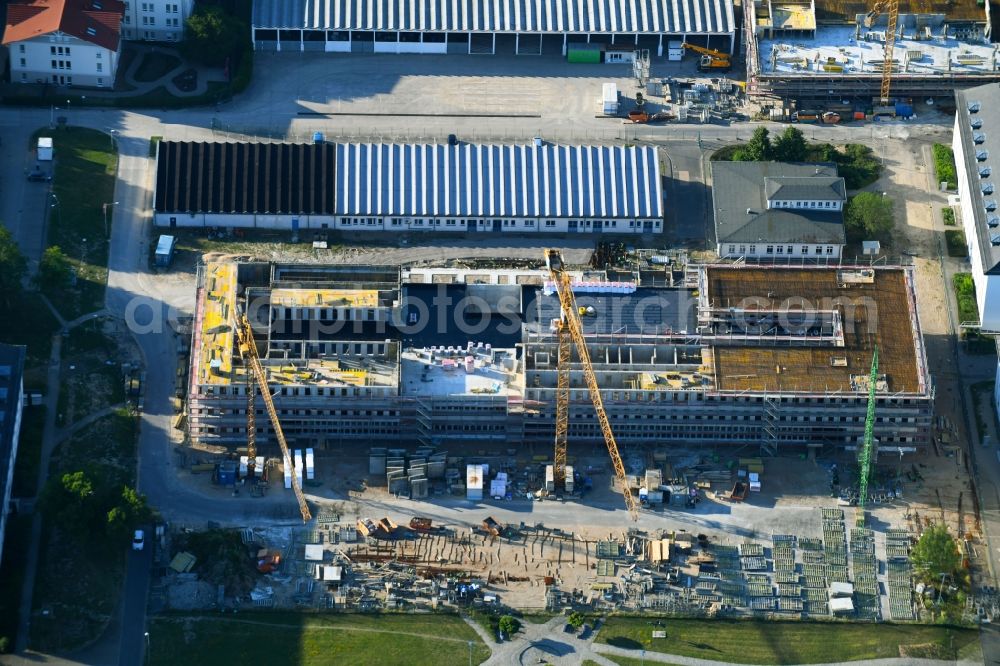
{"type": "Point", "coordinates": [138, 540]}
{"type": "Point", "coordinates": [39, 177]}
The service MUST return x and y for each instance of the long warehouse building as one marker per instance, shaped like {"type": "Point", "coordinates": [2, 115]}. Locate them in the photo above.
{"type": "Point", "coordinates": [409, 187]}
{"type": "Point", "coordinates": [770, 357]}
{"type": "Point", "coordinates": [487, 26]}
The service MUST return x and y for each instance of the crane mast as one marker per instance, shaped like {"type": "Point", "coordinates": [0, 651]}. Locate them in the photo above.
{"type": "Point", "coordinates": [248, 350]}
{"type": "Point", "coordinates": [562, 405]}
{"type": "Point", "coordinates": [570, 322]}
{"type": "Point", "coordinates": [880, 7]}
{"type": "Point", "coordinates": [866, 453]}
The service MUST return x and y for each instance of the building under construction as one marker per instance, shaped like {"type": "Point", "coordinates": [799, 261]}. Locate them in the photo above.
{"type": "Point", "coordinates": [733, 355]}
{"type": "Point", "coordinates": [831, 50]}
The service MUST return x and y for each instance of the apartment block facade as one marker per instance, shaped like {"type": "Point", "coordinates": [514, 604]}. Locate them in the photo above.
{"type": "Point", "coordinates": [155, 20]}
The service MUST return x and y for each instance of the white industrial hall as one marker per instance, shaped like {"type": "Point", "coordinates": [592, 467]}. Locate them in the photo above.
{"type": "Point", "coordinates": [523, 27]}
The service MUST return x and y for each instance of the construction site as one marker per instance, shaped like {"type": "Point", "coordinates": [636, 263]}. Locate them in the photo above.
{"type": "Point", "coordinates": [830, 51]}
{"type": "Point", "coordinates": [465, 438]}
{"type": "Point", "coordinates": [787, 549]}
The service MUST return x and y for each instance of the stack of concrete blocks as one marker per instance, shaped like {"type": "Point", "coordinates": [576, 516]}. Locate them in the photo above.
{"type": "Point", "coordinates": [417, 476]}
{"type": "Point", "coordinates": [395, 475]}
{"type": "Point", "coordinates": [654, 479]}
{"type": "Point", "coordinates": [299, 466]}
{"type": "Point", "coordinates": [436, 463]}
{"type": "Point", "coordinates": [453, 477]}
{"type": "Point", "coordinates": [550, 478]}
{"type": "Point", "coordinates": [376, 462]}
{"type": "Point", "coordinates": [570, 486]}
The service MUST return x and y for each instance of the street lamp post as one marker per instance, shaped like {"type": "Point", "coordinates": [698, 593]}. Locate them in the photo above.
{"type": "Point", "coordinates": [104, 207]}
{"type": "Point", "coordinates": [146, 654]}
{"type": "Point", "coordinates": [470, 653]}
{"type": "Point", "coordinates": [55, 205]}
{"type": "Point", "coordinates": [112, 134]}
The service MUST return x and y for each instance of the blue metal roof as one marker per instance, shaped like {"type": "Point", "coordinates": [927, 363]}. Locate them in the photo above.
{"type": "Point", "coordinates": [498, 181]}
{"type": "Point", "coordinates": [538, 16]}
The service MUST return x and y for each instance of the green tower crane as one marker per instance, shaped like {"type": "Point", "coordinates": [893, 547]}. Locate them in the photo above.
{"type": "Point", "coordinates": [866, 452]}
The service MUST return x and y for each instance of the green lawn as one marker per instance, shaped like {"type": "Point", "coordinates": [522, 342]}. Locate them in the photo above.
{"type": "Point", "coordinates": [944, 164]}
{"type": "Point", "coordinates": [84, 181]}
{"type": "Point", "coordinates": [754, 642]}
{"type": "Point", "coordinates": [948, 215]}
{"type": "Point", "coordinates": [955, 240]}
{"type": "Point", "coordinates": [631, 661]}
{"type": "Point", "coordinates": [300, 639]}
{"type": "Point", "coordinates": [965, 294]}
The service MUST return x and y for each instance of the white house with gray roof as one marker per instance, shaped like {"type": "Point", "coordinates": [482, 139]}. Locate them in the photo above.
{"type": "Point", "coordinates": [774, 211]}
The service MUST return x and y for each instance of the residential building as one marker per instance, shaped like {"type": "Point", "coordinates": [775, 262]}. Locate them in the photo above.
{"type": "Point", "coordinates": [976, 143]}
{"type": "Point", "coordinates": [155, 20]}
{"type": "Point", "coordinates": [472, 26]}
{"type": "Point", "coordinates": [11, 403]}
{"type": "Point", "coordinates": [64, 42]}
{"type": "Point", "coordinates": [765, 356]}
{"type": "Point", "coordinates": [773, 211]}
{"type": "Point", "coordinates": [420, 188]}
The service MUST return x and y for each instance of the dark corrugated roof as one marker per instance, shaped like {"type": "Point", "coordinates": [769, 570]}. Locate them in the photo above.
{"type": "Point", "coordinates": [740, 186]}
{"type": "Point", "coordinates": [249, 178]}
{"type": "Point", "coordinates": [802, 188]}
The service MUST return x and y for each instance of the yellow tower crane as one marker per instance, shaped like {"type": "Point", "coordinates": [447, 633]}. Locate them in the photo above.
{"type": "Point", "coordinates": [570, 327]}
{"type": "Point", "coordinates": [256, 377]}
{"type": "Point", "coordinates": [880, 7]}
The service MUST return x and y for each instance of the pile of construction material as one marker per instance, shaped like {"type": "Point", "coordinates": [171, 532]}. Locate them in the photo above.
{"type": "Point", "coordinates": [407, 476]}
{"type": "Point", "coordinates": [303, 466]}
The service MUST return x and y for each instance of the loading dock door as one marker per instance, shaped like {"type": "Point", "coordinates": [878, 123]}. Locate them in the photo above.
{"type": "Point", "coordinates": [529, 45]}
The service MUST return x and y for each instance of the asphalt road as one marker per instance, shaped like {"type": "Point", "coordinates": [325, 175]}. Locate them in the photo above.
{"type": "Point", "coordinates": [133, 602]}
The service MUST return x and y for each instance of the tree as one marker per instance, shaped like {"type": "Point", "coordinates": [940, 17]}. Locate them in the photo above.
{"type": "Point", "coordinates": [509, 625]}
{"type": "Point", "coordinates": [758, 148]}
{"type": "Point", "coordinates": [790, 146]}
{"type": "Point", "coordinates": [130, 512]}
{"type": "Point", "coordinates": [13, 266]}
{"type": "Point", "coordinates": [576, 620]}
{"type": "Point", "coordinates": [935, 553]}
{"type": "Point", "coordinates": [53, 269]}
{"type": "Point", "coordinates": [213, 35]}
{"type": "Point", "coordinates": [72, 502]}
{"type": "Point", "coordinates": [868, 215]}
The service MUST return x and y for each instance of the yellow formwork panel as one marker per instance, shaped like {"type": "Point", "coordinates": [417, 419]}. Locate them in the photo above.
{"type": "Point", "coordinates": [216, 359]}
{"type": "Point", "coordinates": [325, 298]}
